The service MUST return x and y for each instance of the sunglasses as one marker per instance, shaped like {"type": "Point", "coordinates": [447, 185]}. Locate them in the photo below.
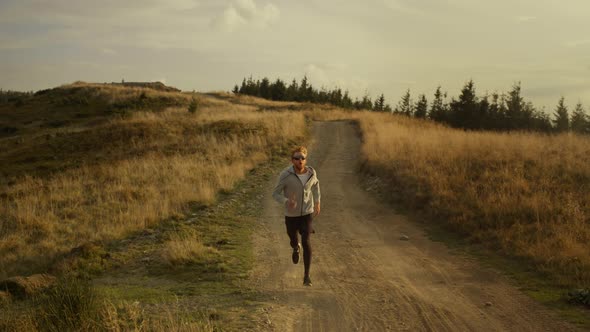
{"type": "Point", "coordinates": [298, 158]}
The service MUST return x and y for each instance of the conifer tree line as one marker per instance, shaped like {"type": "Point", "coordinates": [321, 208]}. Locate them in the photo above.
{"type": "Point", "coordinates": [304, 92]}
{"type": "Point", "coordinates": [496, 111]}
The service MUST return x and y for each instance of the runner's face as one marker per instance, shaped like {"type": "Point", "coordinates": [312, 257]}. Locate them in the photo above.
{"type": "Point", "coordinates": [298, 161]}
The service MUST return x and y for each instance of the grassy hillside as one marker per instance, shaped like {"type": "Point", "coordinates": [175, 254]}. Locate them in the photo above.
{"type": "Point", "coordinates": [62, 127]}
{"type": "Point", "coordinates": [118, 169]}
{"type": "Point", "coordinates": [524, 194]}
{"type": "Point", "coordinates": [99, 177]}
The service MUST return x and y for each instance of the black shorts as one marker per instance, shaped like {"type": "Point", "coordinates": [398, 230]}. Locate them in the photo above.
{"type": "Point", "coordinates": [302, 224]}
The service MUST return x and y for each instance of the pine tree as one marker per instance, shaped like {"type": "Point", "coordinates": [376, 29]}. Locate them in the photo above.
{"type": "Point", "coordinates": [278, 90]}
{"type": "Point", "coordinates": [438, 109]}
{"type": "Point", "coordinates": [292, 91]}
{"type": "Point", "coordinates": [561, 120]}
{"type": "Point", "coordinates": [251, 87]}
{"type": "Point", "coordinates": [464, 113]}
{"type": "Point", "coordinates": [357, 104]}
{"type": "Point", "coordinates": [236, 89]}
{"type": "Point", "coordinates": [514, 108]}
{"type": "Point", "coordinates": [346, 100]}
{"type": "Point", "coordinates": [335, 97]}
{"type": "Point", "coordinates": [404, 106]}
{"type": "Point", "coordinates": [528, 115]}
{"type": "Point", "coordinates": [303, 94]}
{"type": "Point", "coordinates": [243, 87]}
{"type": "Point", "coordinates": [540, 120]}
{"type": "Point", "coordinates": [264, 88]}
{"type": "Point", "coordinates": [421, 107]}
{"type": "Point", "coordinates": [503, 111]}
{"type": "Point", "coordinates": [379, 105]}
{"type": "Point", "coordinates": [256, 89]}
{"type": "Point", "coordinates": [483, 113]}
{"type": "Point", "coordinates": [580, 122]}
{"type": "Point", "coordinates": [495, 118]}
{"type": "Point", "coordinates": [366, 103]}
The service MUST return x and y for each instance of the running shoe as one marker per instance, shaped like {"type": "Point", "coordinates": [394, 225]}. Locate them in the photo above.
{"type": "Point", "coordinates": [306, 281]}
{"type": "Point", "coordinates": [295, 255]}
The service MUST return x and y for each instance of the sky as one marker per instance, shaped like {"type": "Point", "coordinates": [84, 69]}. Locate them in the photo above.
{"type": "Point", "coordinates": [365, 47]}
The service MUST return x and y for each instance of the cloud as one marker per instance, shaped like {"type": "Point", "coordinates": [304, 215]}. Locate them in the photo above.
{"type": "Point", "coordinates": [229, 20]}
{"type": "Point", "coordinates": [401, 6]}
{"type": "Point", "coordinates": [178, 4]}
{"type": "Point", "coordinates": [240, 13]}
{"type": "Point", "coordinates": [425, 7]}
{"type": "Point", "coordinates": [91, 10]}
{"type": "Point", "coordinates": [357, 87]}
{"type": "Point", "coordinates": [317, 74]}
{"type": "Point", "coordinates": [6, 44]}
{"type": "Point", "coordinates": [334, 75]}
{"type": "Point", "coordinates": [246, 8]}
{"type": "Point", "coordinates": [525, 18]}
{"type": "Point", "coordinates": [108, 51]}
{"type": "Point", "coordinates": [578, 43]}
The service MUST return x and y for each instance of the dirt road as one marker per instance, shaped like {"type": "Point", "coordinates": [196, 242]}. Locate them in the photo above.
{"type": "Point", "coordinates": [365, 278]}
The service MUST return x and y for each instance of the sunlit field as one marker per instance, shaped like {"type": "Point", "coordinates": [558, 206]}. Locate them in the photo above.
{"type": "Point", "coordinates": [146, 167]}
{"type": "Point", "coordinates": [115, 161]}
{"type": "Point", "coordinates": [522, 194]}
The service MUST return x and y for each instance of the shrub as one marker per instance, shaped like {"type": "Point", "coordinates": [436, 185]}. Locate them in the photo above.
{"type": "Point", "coordinates": [69, 306]}
{"type": "Point", "coordinates": [192, 107]}
{"type": "Point", "coordinates": [580, 296]}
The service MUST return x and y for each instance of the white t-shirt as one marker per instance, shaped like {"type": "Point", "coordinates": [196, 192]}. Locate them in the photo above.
{"type": "Point", "coordinates": [304, 177]}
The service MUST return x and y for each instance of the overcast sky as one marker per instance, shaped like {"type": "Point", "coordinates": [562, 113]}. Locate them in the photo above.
{"type": "Point", "coordinates": [373, 46]}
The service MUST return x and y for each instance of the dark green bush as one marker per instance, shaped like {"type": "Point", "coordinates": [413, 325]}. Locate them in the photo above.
{"type": "Point", "coordinates": [580, 296]}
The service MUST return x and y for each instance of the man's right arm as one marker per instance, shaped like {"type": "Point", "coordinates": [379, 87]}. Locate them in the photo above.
{"type": "Point", "coordinates": [277, 193]}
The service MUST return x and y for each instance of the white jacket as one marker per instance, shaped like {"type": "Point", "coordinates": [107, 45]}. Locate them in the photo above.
{"type": "Point", "coordinates": [306, 195]}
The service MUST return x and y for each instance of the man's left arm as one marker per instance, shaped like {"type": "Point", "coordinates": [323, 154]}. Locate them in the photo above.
{"type": "Point", "coordinates": [315, 189]}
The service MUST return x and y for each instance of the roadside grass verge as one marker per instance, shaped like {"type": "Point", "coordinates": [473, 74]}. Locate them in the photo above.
{"type": "Point", "coordinates": [522, 194]}
{"type": "Point", "coordinates": [210, 285]}
{"type": "Point", "coordinates": [74, 305]}
{"type": "Point", "coordinates": [187, 248]}
{"type": "Point", "coordinates": [514, 200]}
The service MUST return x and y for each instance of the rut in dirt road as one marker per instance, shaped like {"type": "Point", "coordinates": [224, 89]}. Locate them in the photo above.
{"type": "Point", "coordinates": [368, 279]}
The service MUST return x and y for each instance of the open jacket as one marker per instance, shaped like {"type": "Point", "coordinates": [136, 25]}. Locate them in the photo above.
{"type": "Point", "coordinates": [306, 194]}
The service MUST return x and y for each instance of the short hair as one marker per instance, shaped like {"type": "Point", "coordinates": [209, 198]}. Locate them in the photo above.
{"type": "Point", "coordinates": [300, 149]}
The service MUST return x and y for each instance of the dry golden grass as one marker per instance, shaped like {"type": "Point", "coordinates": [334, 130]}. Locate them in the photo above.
{"type": "Point", "coordinates": [186, 247]}
{"type": "Point", "coordinates": [255, 101]}
{"type": "Point", "coordinates": [525, 194]}
{"type": "Point", "coordinates": [117, 93]}
{"type": "Point", "coordinates": [165, 161]}
{"type": "Point", "coordinates": [110, 316]}
{"type": "Point", "coordinates": [125, 316]}
{"type": "Point", "coordinates": [329, 113]}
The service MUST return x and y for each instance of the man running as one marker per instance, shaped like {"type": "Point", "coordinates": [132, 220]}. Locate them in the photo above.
{"type": "Point", "coordinates": [298, 189]}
